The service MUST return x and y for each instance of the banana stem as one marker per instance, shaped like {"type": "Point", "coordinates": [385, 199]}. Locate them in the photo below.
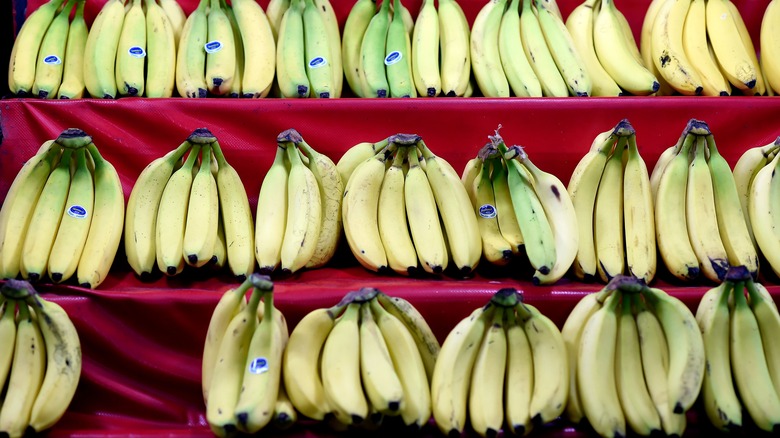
{"type": "Point", "coordinates": [221, 161]}
{"type": "Point", "coordinates": [365, 294]}
{"type": "Point", "coordinates": [624, 129]}
{"type": "Point", "coordinates": [268, 303]}
{"type": "Point", "coordinates": [201, 135]}
{"type": "Point", "coordinates": [73, 138]}
{"type": "Point", "coordinates": [262, 282]}
{"type": "Point", "coordinates": [24, 312]}
{"type": "Point", "coordinates": [17, 289]}
{"type": "Point", "coordinates": [506, 297]}
{"type": "Point", "coordinates": [626, 283]}
{"type": "Point", "coordinates": [402, 153]}
{"type": "Point", "coordinates": [426, 152]}
{"type": "Point", "coordinates": [94, 153]}
{"type": "Point", "coordinates": [381, 144]}
{"type": "Point", "coordinates": [203, 5]}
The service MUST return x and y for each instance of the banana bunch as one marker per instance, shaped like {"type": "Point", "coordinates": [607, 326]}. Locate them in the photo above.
{"type": "Point", "coordinates": [48, 53]}
{"type": "Point", "coordinates": [742, 360]}
{"type": "Point", "coordinates": [40, 360]}
{"type": "Point", "coordinates": [505, 364]}
{"type": "Point", "coordinates": [189, 212]}
{"type": "Point", "coordinates": [242, 360]}
{"type": "Point", "coordinates": [369, 357]}
{"type": "Point", "coordinates": [404, 207]}
{"type": "Point", "coordinates": [63, 214]}
{"type": "Point", "coordinates": [307, 39]}
{"type": "Point", "coordinates": [512, 198]}
{"type": "Point", "coordinates": [757, 187]}
{"type": "Point", "coordinates": [298, 222]}
{"type": "Point", "coordinates": [636, 358]}
{"type": "Point", "coordinates": [700, 224]}
{"type": "Point", "coordinates": [700, 47]}
{"type": "Point", "coordinates": [609, 52]}
{"type": "Point", "coordinates": [610, 190]}
{"type": "Point", "coordinates": [226, 50]}
{"type": "Point", "coordinates": [376, 50]}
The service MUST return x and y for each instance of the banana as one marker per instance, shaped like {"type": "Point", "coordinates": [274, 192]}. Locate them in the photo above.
{"type": "Point", "coordinates": [262, 372]}
{"type": "Point", "coordinates": [354, 29]}
{"type": "Point", "coordinates": [290, 56]}
{"type": "Point", "coordinates": [572, 334]}
{"type": "Point", "coordinates": [200, 229]}
{"type": "Point", "coordinates": [381, 382]}
{"type": "Point", "coordinates": [236, 216]}
{"type": "Point", "coordinates": [24, 54]}
{"type": "Point", "coordinates": [45, 221]}
{"type": "Point", "coordinates": [452, 375]}
{"type": "Point", "coordinates": [51, 55]}
{"type": "Point", "coordinates": [749, 365]}
{"type": "Point", "coordinates": [519, 380]}
{"type": "Point", "coordinates": [486, 392]}
{"type": "Point", "coordinates": [608, 216]}
{"type": "Point", "coordinates": [425, 51]}
{"type": "Point", "coordinates": [100, 50]}
{"type": "Point", "coordinates": [770, 45]}
{"type": "Point", "coordinates": [301, 362]}
{"type": "Point", "coordinates": [275, 12]}
{"type": "Point", "coordinates": [359, 213]}
{"type": "Point", "coordinates": [731, 218]}
{"type": "Point", "coordinates": [422, 215]}
{"type": "Point", "coordinates": [272, 214]}
{"type": "Point", "coordinates": [340, 368]}
{"type": "Point", "coordinates": [220, 51]}
{"type": "Point", "coordinates": [768, 320]}
{"type": "Point", "coordinates": [695, 44]}
{"type": "Point", "coordinates": [471, 172]}
{"type": "Point", "coordinates": [317, 51]}
{"type": "Point", "coordinates": [63, 363]}
{"type": "Point", "coordinates": [391, 219]}
{"type": "Point", "coordinates": [597, 387]}
{"type": "Point", "coordinates": [284, 412]}
{"type": "Point", "coordinates": [761, 211]}
{"type": "Point", "coordinates": [663, 161]}
{"type": "Point", "coordinates": [372, 49]}
{"type": "Point", "coordinates": [161, 41]}
{"type": "Point", "coordinates": [507, 221]}
{"type": "Point", "coordinates": [331, 191]}
{"type": "Point", "coordinates": [616, 56]}
{"type": "Point", "coordinates": [655, 364]}
{"type": "Point", "coordinates": [485, 57]}
{"type": "Point", "coordinates": [638, 216]}
{"type": "Point", "coordinates": [232, 302]}
{"type": "Point", "coordinates": [686, 348]}
{"type": "Point", "coordinates": [302, 229]}
{"type": "Point", "coordinates": [518, 70]}
{"type": "Point", "coordinates": [355, 155]}
{"type": "Point", "coordinates": [646, 47]}
{"type": "Point", "coordinates": [454, 38]}
{"type": "Point", "coordinates": [733, 56]}
{"type": "Point", "coordinates": [131, 52]}
{"type": "Point", "coordinates": [719, 396]}
{"type": "Point", "coordinates": [745, 170]}
{"type": "Point", "coordinates": [583, 188]}
{"type": "Point", "coordinates": [495, 248]}
{"type": "Point", "coordinates": [72, 86]}
{"type": "Point", "coordinates": [580, 23]}
{"type": "Point", "coordinates": [397, 60]}
{"type": "Point", "coordinates": [190, 54]}
{"type": "Point", "coordinates": [670, 218]}
{"type": "Point", "coordinates": [228, 372]}
{"type": "Point", "coordinates": [460, 226]}
{"type": "Point", "coordinates": [325, 9]}
{"type": "Point", "coordinates": [537, 52]}
{"type": "Point", "coordinates": [176, 17]}
{"type": "Point", "coordinates": [562, 48]}
{"type": "Point", "coordinates": [19, 205]}
{"type": "Point", "coordinates": [75, 223]}
{"type": "Point", "coordinates": [638, 407]}
{"type": "Point", "coordinates": [409, 359]}
{"type": "Point", "coordinates": [172, 215]}
{"type": "Point", "coordinates": [8, 335]}
{"type": "Point", "coordinates": [238, 73]}
{"type": "Point", "coordinates": [668, 50]}
{"type": "Point", "coordinates": [140, 231]}
{"type": "Point", "coordinates": [701, 217]}
{"type": "Point", "coordinates": [259, 48]}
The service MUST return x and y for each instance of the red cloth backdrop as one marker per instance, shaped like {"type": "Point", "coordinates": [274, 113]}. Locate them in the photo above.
{"type": "Point", "coordinates": [142, 342]}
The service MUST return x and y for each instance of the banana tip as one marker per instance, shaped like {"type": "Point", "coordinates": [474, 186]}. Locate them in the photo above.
{"type": "Point", "coordinates": [33, 277]}
{"type": "Point", "coordinates": [56, 277]}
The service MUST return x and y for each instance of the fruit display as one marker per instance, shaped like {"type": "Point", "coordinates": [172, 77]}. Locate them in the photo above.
{"type": "Point", "coordinates": [505, 363]}
{"type": "Point", "coordinates": [242, 359]}
{"type": "Point", "coordinates": [40, 360]}
{"type": "Point", "coordinates": [636, 357]}
{"type": "Point", "coordinates": [511, 198]}
{"type": "Point", "coordinates": [369, 357]}
{"type": "Point", "coordinates": [189, 212]}
{"type": "Point", "coordinates": [400, 183]}
{"type": "Point", "coordinates": [63, 214]}
{"type": "Point", "coordinates": [610, 190]}
{"type": "Point", "coordinates": [700, 226]}
{"type": "Point", "coordinates": [737, 320]}
{"type": "Point", "coordinates": [298, 222]}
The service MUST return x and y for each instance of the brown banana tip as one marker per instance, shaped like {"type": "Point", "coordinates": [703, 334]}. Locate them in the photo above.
{"type": "Point", "coordinates": [402, 139]}
{"type": "Point", "coordinates": [738, 273]}
{"type": "Point", "coordinates": [289, 135]}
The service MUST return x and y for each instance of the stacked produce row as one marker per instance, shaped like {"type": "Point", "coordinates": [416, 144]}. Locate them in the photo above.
{"type": "Point", "coordinates": [297, 49]}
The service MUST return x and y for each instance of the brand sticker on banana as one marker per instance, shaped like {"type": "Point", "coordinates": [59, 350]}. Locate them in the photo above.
{"type": "Point", "coordinates": [393, 57]}
{"type": "Point", "coordinates": [77, 211]}
{"type": "Point", "coordinates": [213, 46]}
{"type": "Point", "coordinates": [258, 366]}
{"type": "Point", "coordinates": [136, 52]}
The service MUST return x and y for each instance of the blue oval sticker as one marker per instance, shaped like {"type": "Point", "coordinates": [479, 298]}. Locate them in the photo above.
{"type": "Point", "coordinates": [487, 211]}
{"type": "Point", "coordinates": [52, 60]}
{"type": "Point", "coordinates": [318, 62]}
{"type": "Point", "coordinates": [258, 366]}
{"type": "Point", "coordinates": [77, 211]}
{"type": "Point", "coordinates": [213, 46]}
{"type": "Point", "coordinates": [393, 57]}
{"type": "Point", "coordinates": [136, 52]}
